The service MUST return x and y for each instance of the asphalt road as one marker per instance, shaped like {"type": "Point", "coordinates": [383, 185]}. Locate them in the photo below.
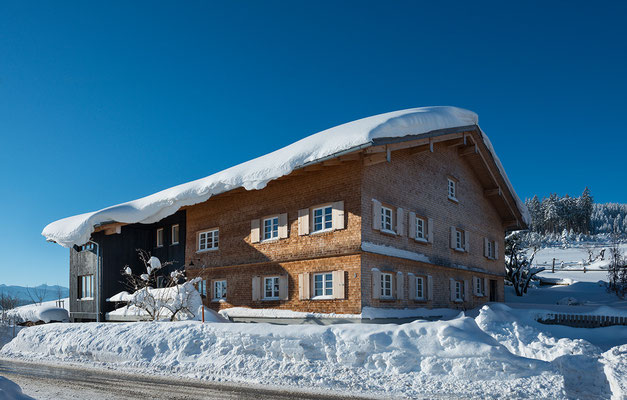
{"type": "Point", "coordinates": [45, 382]}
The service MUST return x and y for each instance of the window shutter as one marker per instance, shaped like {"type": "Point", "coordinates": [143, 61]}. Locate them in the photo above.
{"type": "Point", "coordinates": [303, 222]}
{"type": "Point", "coordinates": [452, 284]}
{"type": "Point", "coordinates": [304, 286]}
{"type": "Point", "coordinates": [486, 288]}
{"type": "Point", "coordinates": [256, 288]}
{"type": "Point", "coordinates": [338, 215]}
{"type": "Point", "coordinates": [466, 241]}
{"type": "Point", "coordinates": [283, 289]}
{"type": "Point", "coordinates": [430, 229]}
{"type": "Point", "coordinates": [338, 285]}
{"type": "Point", "coordinates": [400, 286]}
{"type": "Point", "coordinates": [429, 287]}
{"type": "Point", "coordinates": [412, 226]}
{"type": "Point", "coordinates": [376, 284]}
{"type": "Point", "coordinates": [376, 214]}
{"type": "Point", "coordinates": [466, 290]}
{"type": "Point", "coordinates": [400, 221]}
{"type": "Point", "coordinates": [254, 231]}
{"type": "Point", "coordinates": [477, 288]}
{"type": "Point", "coordinates": [485, 247]}
{"type": "Point", "coordinates": [282, 226]}
{"type": "Point", "coordinates": [452, 237]}
{"type": "Point", "coordinates": [411, 280]}
{"type": "Point", "coordinates": [496, 249]}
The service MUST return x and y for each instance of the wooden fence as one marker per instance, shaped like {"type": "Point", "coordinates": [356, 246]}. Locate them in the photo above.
{"type": "Point", "coordinates": [582, 321]}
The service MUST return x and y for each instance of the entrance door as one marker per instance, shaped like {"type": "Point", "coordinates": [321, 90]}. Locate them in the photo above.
{"type": "Point", "coordinates": [492, 290]}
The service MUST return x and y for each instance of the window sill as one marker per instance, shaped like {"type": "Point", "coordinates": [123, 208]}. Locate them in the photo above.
{"type": "Point", "coordinates": [387, 299]}
{"type": "Point", "coordinates": [479, 295]}
{"type": "Point", "coordinates": [459, 250]}
{"type": "Point", "coordinates": [458, 301]}
{"type": "Point", "coordinates": [322, 231]}
{"type": "Point", "coordinates": [326, 297]}
{"type": "Point", "coordinates": [269, 241]}
{"type": "Point", "coordinates": [158, 247]}
{"type": "Point", "coordinates": [421, 240]}
{"type": "Point", "coordinates": [423, 300]}
{"type": "Point", "coordinates": [271, 299]}
{"type": "Point", "coordinates": [85, 299]}
{"type": "Point", "coordinates": [388, 232]}
{"type": "Point", "coordinates": [453, 199]}
{"type": "Point", "coordinates": [218, 300]}
{"type": "Point", "coordinates": [174, 244]}
{"type": "Point", "coordinates": [206, 250]}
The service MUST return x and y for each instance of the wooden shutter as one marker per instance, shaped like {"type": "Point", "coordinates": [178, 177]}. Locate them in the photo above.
{"type": "Point", "coordinates": [338, 285]}
{"type": "Point", "coordinates": [303, 222]}
{"type": "Point", "coordinates": [452, 284]}
{"type": "Point", "coordinates": [429, 287]}
{"type": "Point", "coordinates": [338, 215]}
{"type": "Point", "coordinates": [466, 290]}
{"type": "Point", "coordinates": [400, 286]}
{"type": "Point", "coordinates": [376, 284]}
{"type": "Point", "coordinates": [254, 231]}
{"type": "Point", "coordinates": [376, 214]}
{"type": "Point", "coordinates": [304, 286]}
{"type": "Point", "coordinates": [430, 229]}
{"type": "Point", "coordinates": [256, 288]}
{"type": "Point", "coordinates": [452, 237]}
{"type": "Point", "coordinates": [485, 247]}
{"type": "Point", "coordinates": [400, 221]}
{"type": "Point", "coordinates": [412, 226]}
{"type": "Point", "coordinates": [466, 241]}
{"type": "Point", "coordinates": [496, 249]}
{"type": "Point", "coordinates": [486, 288]}
{"type": "Point", "coordinates": [411, 281]}
{"type": "Point", "coordinates": [476, 288]}
{"type": "Point", "coordinates": [283, 288]}
{"type": "Point", "coordinates": [282, 226]}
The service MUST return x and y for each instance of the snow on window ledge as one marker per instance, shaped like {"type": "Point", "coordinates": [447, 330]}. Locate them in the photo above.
{"type": "Point", "coordinates": [206, 250]}
{"type": "Point", "coordinates": [458, 301]}
{"type": "Point", "coordinates": [325, 297]}
{"type": "Point", "coordinates": [322, 231]}
{"type": "Point", "coordinates": [453, 199]}
{"type": "Point", "coordinates": [421, 240]}
{"type": "Point", "coordinates": [459, 249]}
{"type": "Point", "coordinates": [389, 232]}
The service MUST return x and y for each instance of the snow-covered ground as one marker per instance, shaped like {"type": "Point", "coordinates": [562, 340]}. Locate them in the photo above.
{"type": "Point", "coordinates": [503, 352]}
{"type": "Point", "coordinates": [10, 390]}
{"type": "Point", "coordinates": [576, 253]}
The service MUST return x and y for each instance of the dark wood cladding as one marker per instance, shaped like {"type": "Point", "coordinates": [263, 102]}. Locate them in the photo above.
{"type": "Point", "coordinates": [118, 251]}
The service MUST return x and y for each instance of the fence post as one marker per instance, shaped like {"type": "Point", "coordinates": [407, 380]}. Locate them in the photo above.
{"type": "Point", "coordinates": [553, 268]}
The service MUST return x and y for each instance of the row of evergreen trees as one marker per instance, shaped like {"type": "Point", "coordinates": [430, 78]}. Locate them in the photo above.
{"type": "Point", "coordinates": [555, 215]}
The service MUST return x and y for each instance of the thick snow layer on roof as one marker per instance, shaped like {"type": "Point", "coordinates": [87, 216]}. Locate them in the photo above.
{"type": "Point", "coordinates": [256, 173]}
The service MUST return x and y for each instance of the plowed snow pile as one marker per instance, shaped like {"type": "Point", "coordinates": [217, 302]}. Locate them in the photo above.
{"type": "Point", "coordinates": [452, 358]}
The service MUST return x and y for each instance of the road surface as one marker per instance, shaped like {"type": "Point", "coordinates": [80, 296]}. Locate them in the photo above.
{"type": "Point", "coordinates": [45, 382]}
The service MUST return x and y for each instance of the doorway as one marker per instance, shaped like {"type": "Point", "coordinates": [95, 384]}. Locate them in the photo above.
{"type": "Point", "coordinates": [492, 290]}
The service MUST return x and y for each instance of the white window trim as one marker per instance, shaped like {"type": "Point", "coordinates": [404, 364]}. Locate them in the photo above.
{"type": "Point", "coordinates": [313, 289]}
{"type": "Point", "coordinates": [422, 286]}
{"type": "Point", "coordinates": [278, 293]}
{"type": "Point", "coordinates": [313, 219]}
{"type": "Point", "coordinates": [459, 296]}
{"type": "Point", "coordinates": [425, 232]}
{"type": "Point", "coordinates": [383, 228]}
{"type": "Point", "coordinates": [263, 229]}
{"type": "Point", "coordinates": [162, 237]}
{"type": "Point", "coordinates": [461, 232]}
{"type": "Point", "coordinates": [172, 234]}
{"type": "Point", "coordinates": [214, 290]}
{"type": "Point", "coordinates": [448, 189]}
{"type": "Point", "coordinates": [383, 296]}
{"type": "Point", "coordinates": [198, 250]}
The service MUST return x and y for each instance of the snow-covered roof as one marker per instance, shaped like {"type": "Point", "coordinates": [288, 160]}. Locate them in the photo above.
{"type": "Point", "coordinates": [255, 174]}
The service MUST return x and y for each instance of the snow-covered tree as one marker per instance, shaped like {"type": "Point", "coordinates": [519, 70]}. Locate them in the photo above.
{"type": "Point", "coordinates": [617, 270]}
{"type": "Point", "coordinates": [518, 269]}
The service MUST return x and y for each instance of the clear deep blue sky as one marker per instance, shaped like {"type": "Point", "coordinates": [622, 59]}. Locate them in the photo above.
{"type": "Point", "coordinates": [104, 103]}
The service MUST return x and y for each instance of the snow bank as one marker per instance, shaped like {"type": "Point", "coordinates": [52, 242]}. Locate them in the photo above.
{"type": "Point", "coordinates": [445, 358]}
{"type": "Point", "coordinates": [367, 313]}
{"type": "Point", "coordinates": [615, 366]}
{"type": "Point", "coordinates": [46, 311]}
{"type": "Point", "coordinates": [10, 390]}
{"type": "Point", "coordinates": [256, 173]}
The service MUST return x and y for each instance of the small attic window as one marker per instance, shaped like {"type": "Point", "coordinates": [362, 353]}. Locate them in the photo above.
{"type": "Point", "coordinates": [452, 189]}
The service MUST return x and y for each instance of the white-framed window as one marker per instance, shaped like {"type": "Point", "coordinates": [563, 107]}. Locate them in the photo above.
{"type": "Point", "coordinates": [322, 218]}
{"type": "Point", "coordinates": [323, 285]}
{"type": "Point", "coordinates": [459, 239]}
{"type": "Point", "coordinates": [208, 240]}
{"type": "Point", "coordinates": [452, 189]}
{"type": "Point", "coordinates": [386, 285]}
{"type": "Point", "coordinates": [421, 229]}
{"type": "Point", "coordinates": [387, 219]}
{"type": "Point", "coordinates": [479, 286]}
{"type": "Point", "coordinates": [175, 234]}
{"type": "Point", "coordinates": [202, 288]}
{"type": "Point", "coordinates": [490, 248]}
{"type": "Point", "coordinates": [459, 291]}
{"type": "Point", "coordinates": [271, 288]}
{"type": "Point", "coordinates": [219, 290]}
{"type": "Point", "coordinates": [420, 288]}
{"type": "Point", "coordinates": [86, 287]}
{"type": "Point", "coordinates": [160, 237]}
{"type": "Point", "coordinates": [271, 228]}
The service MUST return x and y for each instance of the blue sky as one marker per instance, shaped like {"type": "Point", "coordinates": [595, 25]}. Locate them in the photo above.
{"type": "Point", "coordinates": [104, 103]}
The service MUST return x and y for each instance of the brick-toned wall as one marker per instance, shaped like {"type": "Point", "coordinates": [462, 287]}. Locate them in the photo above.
{"type": "Point", "coordinates": [233, 215]}
{"type": "Point", "coordinates": [239, 284]}
{"type": "Point", "coordinates": [418, 183]}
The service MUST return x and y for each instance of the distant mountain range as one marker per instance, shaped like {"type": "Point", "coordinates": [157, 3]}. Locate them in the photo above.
{"type": "Point", "coordinates": [48, 292]}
